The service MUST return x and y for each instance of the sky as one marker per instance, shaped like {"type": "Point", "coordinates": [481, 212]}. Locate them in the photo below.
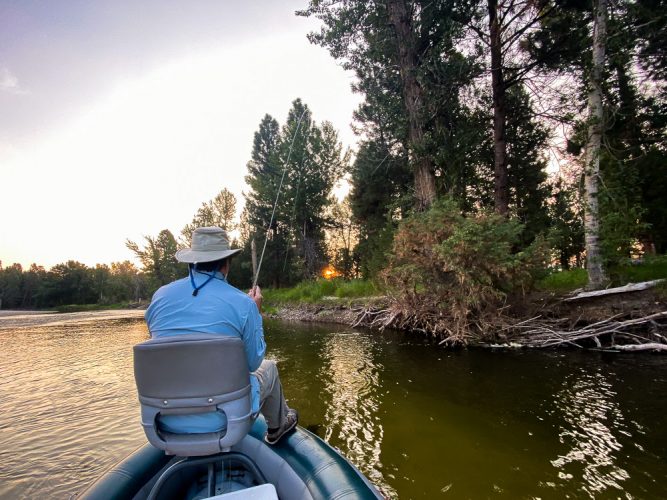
{"type": "Point", "coordinates": [120, 118]}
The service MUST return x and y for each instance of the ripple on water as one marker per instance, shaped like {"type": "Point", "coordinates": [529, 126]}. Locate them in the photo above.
{"type": "Point", "coordinates": [591, 424]}
{"type": "Point", "coordinates": [64, 407]}
{"type": "Point", "coordinates": [350, 376]}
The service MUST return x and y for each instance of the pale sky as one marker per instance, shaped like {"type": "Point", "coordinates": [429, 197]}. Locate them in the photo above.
{"type": "Point", "coordinates": [119, 118]}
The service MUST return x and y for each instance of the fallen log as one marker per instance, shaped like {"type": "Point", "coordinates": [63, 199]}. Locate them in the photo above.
{"type": "Point", "coordinates": [652, 346]}
{"type": "Point", "coordinates": [630, 287]}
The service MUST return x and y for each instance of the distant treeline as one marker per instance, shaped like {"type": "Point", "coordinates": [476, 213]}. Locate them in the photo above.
{"type": "Point", "coordinates": [72, 283]}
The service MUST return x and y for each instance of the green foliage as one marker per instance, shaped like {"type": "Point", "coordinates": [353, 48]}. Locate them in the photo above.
{"type": "Point", "coordinates": [220, 211]}
{"type": "Point", "coordinates": [379, 179]}
{"type": "Point", "coordinates": [649, 268]}
{"type": "Point", "coordinates": [363, 37]}
{"type": "Point", "coordinates": [454, 271]}
{"type": "Point", "coordinates": [526, 141]}
{"type": "Point", "coordinates": [566, 229]}
{"type": "Point", "coordinates": [356, 288]}
{"type": "Point", "coordinates": [564, 281]}
{"type": "Point", "coordinates": [158, 258]}
{"type": "Point", "coordinates": [315, 290]}
{"type": "Point", "coordinates": [71, 283]}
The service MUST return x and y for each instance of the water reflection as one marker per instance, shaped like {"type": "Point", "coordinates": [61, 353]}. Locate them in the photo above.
{"type": "Point", "coordinates": [68, 405]}
{"type": "Point", "coordinates": [591, 418]}
{"type": "Point", "coordinates": [351, 380]}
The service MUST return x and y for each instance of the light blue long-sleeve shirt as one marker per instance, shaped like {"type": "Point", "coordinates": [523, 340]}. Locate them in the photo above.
{"type": "Point", "coordinates": [218, 308]}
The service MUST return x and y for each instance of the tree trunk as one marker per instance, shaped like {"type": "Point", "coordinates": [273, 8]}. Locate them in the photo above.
{"type": "Point", "coordinates": [501, 177]}
{"type": "Point", "coordinates": [401, 19]}
{"type": "Point", "coordinates": [596, 273]}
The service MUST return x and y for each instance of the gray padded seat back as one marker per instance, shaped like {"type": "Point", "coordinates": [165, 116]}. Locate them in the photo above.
{"type": "Point", "coordinates": [188, 374]}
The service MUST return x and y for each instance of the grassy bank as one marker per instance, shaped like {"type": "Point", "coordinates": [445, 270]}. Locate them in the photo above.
{"type": "Point", "coordinates": [651, 268]}
{"type": "Point", "coordinates": [311, 292]}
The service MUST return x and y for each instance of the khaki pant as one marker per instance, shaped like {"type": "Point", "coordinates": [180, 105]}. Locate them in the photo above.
{"type": "Point", "coordinates": [271, 400]}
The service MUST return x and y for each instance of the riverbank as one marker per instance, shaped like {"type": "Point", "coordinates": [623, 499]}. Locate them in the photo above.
{"type": "Point", "coordinates": [543, 319]}
{"type": "Point", "coordinates": [16, 319]}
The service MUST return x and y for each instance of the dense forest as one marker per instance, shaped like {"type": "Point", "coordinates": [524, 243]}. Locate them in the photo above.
{"type": "Point", "coordinates": [498, 140]}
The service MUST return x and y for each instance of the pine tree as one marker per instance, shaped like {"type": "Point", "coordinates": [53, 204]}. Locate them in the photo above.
{"type": "Point", "coordinates": [304, 160]}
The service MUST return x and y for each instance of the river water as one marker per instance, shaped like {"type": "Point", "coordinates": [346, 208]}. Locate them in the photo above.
{"type": "Point", "coordinates": [418, 421]}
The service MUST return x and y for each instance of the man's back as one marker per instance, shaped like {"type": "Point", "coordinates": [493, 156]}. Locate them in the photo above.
{"type": "Point", "coordinates": [218, 308]}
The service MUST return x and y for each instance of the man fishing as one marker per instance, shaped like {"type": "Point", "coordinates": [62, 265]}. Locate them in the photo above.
{"type": "Point", "coordinates": [205, 302]}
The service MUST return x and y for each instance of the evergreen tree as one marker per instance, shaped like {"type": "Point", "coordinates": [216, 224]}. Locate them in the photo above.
{"type": "Point", "coordinates": [406, 57]}
{"type": "Point", "coordinates": [265, 177]}
{"type": "Point", "coordinates": [305, 161]}
{"type": "Point", "coordinates": [528, 190]}
{"type": "Point", "coordinates": [566, 233]}
{"type": "Point", "coordinates": [379, 177]}
{"type": "Point", "coordinates": [632, 120]}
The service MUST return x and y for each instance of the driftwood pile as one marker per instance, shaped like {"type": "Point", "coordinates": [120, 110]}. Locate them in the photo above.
{"type": "Point", "coordinates": [647, 333]}
{"type": "Point", "coordinates": [622, 332]}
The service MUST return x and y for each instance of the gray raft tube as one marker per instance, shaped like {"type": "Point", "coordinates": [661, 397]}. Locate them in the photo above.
{"type": "Point", "coordinates": [301, 467]}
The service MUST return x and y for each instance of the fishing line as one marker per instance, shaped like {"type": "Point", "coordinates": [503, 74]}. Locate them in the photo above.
{"type": "Point", "coordinates": [275, 204]}
{"type": "Point", "coordinates": [291, 224]}
{"type": "Point", "coordinates": [296, 200]}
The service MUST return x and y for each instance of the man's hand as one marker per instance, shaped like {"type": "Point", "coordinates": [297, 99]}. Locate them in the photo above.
{"type": "Point", "coordinates": [255, 294]}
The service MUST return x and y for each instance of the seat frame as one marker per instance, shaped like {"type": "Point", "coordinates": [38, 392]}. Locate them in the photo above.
{"type": "Point", "coordinates": [189, 374]}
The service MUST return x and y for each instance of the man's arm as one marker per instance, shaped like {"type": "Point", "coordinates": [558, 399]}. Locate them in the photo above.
{"type": "Point", "coordinates": [253, 336]}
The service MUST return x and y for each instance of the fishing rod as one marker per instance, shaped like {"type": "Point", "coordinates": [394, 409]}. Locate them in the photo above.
{"type": "Point", "coordinates": [275, 204]}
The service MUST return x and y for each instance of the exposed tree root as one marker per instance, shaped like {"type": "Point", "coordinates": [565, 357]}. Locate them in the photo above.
{"type": "Point", "coordinates": [646, 333]}
{"type": "Point", "coordinates": [430, 323]}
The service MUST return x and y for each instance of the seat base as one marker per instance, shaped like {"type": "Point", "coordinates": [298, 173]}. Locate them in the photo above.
{"type": "Point", "coordinates": [261, 492]}
{"type": "Point", "coordinates": [216, 475]}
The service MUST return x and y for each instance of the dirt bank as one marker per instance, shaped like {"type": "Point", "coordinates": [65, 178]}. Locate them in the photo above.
{"type": "Point", "coordinates": [606, 321]}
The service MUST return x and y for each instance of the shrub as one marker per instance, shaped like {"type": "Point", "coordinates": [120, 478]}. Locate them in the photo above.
{"type": "Point", "coordinates": [450, 274]}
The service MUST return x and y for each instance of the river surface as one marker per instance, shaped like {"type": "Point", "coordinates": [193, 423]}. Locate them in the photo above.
{"type": "Point", "coordinates": [420, 422]}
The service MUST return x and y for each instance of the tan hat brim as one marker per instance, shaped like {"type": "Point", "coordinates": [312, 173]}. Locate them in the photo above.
{"type": "Point", "coordinates": [193, 256]}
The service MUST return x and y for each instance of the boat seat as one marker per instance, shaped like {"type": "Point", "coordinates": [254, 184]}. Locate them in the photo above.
{"type": "Point", "coordinates": [190, 374]}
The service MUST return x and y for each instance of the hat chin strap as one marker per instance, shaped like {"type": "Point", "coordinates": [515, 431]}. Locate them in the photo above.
{"type": "Point", "coordinates": [196, 288]}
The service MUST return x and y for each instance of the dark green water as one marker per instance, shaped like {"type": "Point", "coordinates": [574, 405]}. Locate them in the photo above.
{"type": "Point", "coordinates": [418, 421]}
{"type": "Point", "coordinates": [425, 423]}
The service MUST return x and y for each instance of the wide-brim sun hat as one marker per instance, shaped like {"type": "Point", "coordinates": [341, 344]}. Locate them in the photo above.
{"type": "Point", "coordinates": [208, 244]}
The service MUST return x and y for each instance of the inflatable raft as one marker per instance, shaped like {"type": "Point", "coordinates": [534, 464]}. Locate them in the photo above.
{"type": "Point", "coordinates": [300, 466]}
{"type": "Point", "coordinates": [190, 374]}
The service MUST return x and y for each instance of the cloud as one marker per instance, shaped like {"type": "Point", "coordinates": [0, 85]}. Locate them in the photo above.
{"type": "Point", "coordinates": [9, 83]}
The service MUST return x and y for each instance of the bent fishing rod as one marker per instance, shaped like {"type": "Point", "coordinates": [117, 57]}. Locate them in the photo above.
{"type": "Point", "coordinates": [275, 204]}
